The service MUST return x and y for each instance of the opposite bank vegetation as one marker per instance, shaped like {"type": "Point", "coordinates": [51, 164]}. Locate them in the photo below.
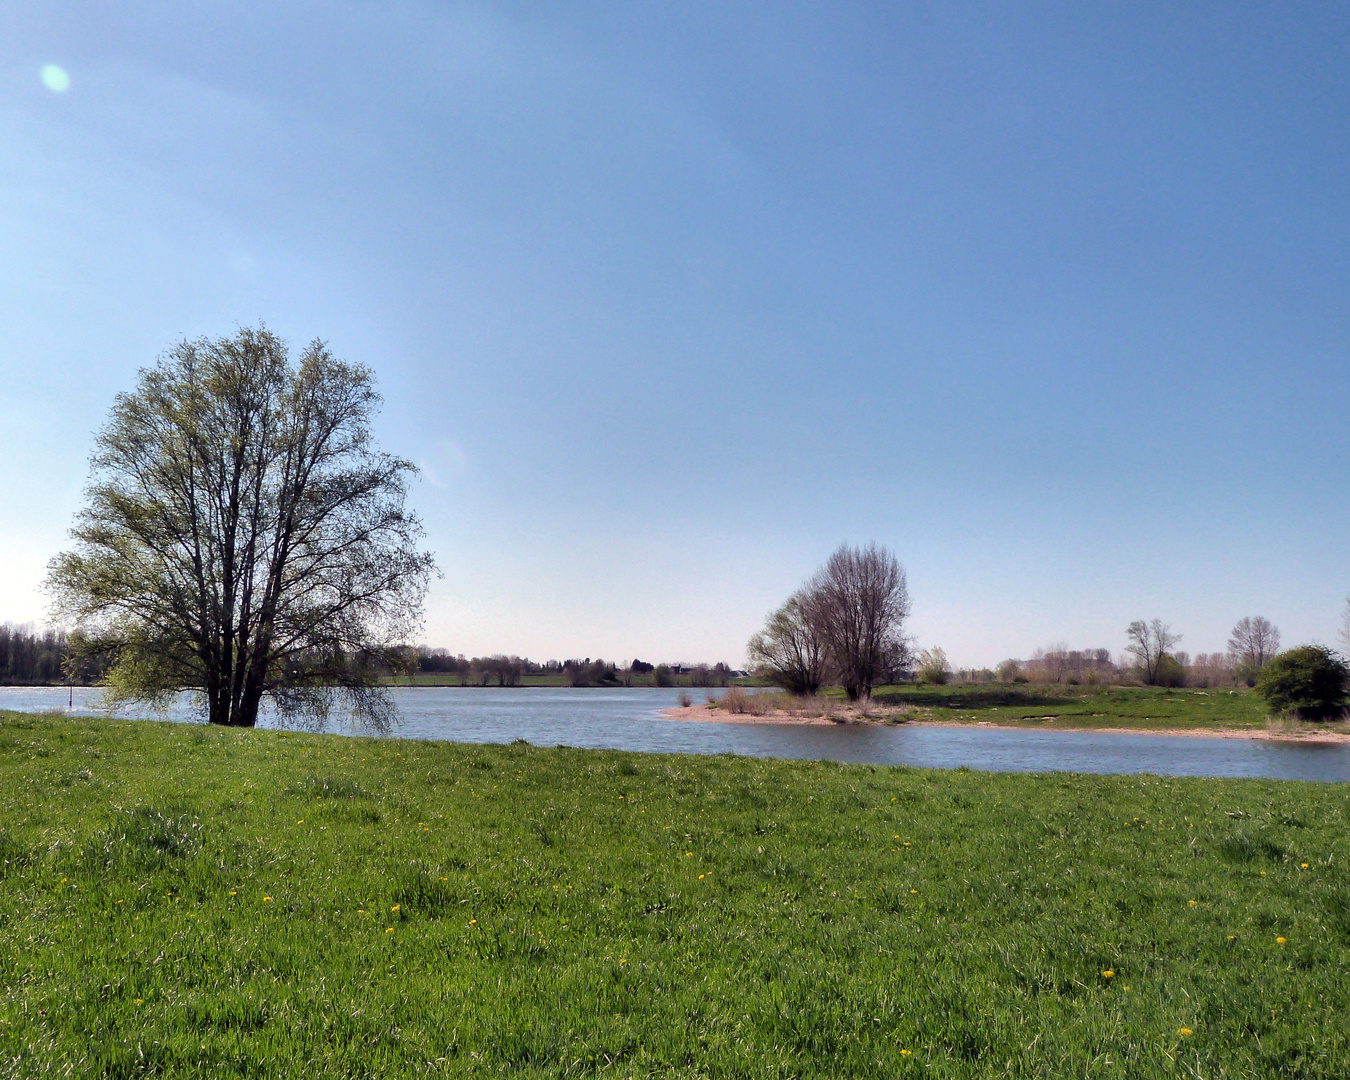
{"type": "Point", "coordinates": [184, 900]}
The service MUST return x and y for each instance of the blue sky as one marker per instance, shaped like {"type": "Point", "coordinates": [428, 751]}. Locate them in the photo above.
{"type": "Point", "coordinates": [668, 300]}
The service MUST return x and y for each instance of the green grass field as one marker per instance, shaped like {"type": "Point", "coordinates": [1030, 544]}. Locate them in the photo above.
{"type": "Point", "coordinates": [1138, 707]}
{"type": "Point", "coordinates": [180, 901]}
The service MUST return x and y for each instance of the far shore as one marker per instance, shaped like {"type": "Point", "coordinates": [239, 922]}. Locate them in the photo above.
{"type": "Point", "coordinates": [885, 718]}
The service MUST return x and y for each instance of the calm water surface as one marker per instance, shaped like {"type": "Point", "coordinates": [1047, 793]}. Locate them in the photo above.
{"type": "Point", "coordinates": [630, 719]}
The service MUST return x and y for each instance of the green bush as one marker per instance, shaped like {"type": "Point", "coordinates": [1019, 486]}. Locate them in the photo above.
{"type": "Point", "coordinates": [933, 667]}
{"type": "Point", "coordinates": [1307, 682]}
{"type": "Point", "coordinates": [1169, 672]}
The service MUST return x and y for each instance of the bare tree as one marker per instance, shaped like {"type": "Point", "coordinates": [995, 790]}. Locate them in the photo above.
{"type": "Point", "coordinates": [1149, 643]}
{"type": "Point", "coordinates": [244, 538]}
{"type": "Point", "coordinates": [860, 600]}
{"type": "Point", "coordinates": [1210, 669]}
{"type": "Point", "coordinates": [1344, 635]}
{"type": "Point", "coordinates": [1049, 665]}
{"type": "Point", "coordinates": [790, 651]}
{"type": "Point", "coordinates": [1254, 641]}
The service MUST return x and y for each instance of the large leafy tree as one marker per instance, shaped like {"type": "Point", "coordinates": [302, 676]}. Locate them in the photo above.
{"type": "Point", "coordinates": [243, 537]}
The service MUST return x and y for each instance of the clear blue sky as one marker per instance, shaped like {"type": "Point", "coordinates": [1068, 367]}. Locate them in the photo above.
{"type": "Point", "coordinates": [670, 299]}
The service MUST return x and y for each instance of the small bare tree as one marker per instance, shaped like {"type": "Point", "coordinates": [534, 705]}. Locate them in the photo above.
{"type": "Point", "coordinates": [1149, 643]}
{"type": "Point", "coordinates": [860, 600]}
{"type": "Point", "coordinates": [789, 651]}
{"type": "Point", "coordinates": [1254, 641]}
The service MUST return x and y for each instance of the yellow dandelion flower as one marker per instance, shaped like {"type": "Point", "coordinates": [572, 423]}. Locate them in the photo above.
{"type": "Point", "coordinates": [360, 911]}
{"type": "Point", "coordinates": [1279, 941]}
{"type": "Point", "coordinates": [267, 899]}
{"type": "Point", "coordinates": [119, 901]}
{"type": "Point", "coordinates": [1232, 937]}
{"type": "Point", "coordinates": [1185, 1031]}
{"type": "Point", "coordinates": [472, 921]}
{"type": "Point", "coordinates": [1304, 865]}
{"type": "Point", "coordinates": [389, 930]}
{"type": "Point", "coordinates": [915, 891]}
{"type": "Point", "coordinates": [140, 1001]}
{"type": "Point", "coordinates": [700, 877]}
{"type": "Point", "coordinates": [906, 843]}
{"type": "Point", "coordinates": [301, 821]}
{"type": "Point", "coordinates": [906, 1053]}
{"type": "Point", "coordinates": [447, 879]}
{"type": "Point", "coordinates": [234, 892]}
{"type": "Point", "coordinates": [1191, 902]}
{"type": "Point", "coordinates": [1108, 974]}
{"type": "Point", "coordinates": [897, 836]}
{"type": "Point", "coordinates": [394, 908]}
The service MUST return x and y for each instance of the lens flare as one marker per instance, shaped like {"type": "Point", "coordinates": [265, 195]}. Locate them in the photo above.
{"type": "Point", "coordinates": [58, 82]}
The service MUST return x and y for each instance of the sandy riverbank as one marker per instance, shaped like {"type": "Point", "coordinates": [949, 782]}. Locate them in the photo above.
{"type": "Point", "coordinates": [885, 718]}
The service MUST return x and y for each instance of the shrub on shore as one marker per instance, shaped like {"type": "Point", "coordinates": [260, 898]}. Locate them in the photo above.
{"type": "Point", "coordinates": [1307, 683]}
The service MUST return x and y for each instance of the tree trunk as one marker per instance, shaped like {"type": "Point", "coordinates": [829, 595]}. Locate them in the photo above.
{"type": "Point", "coordinates": [247, 713]}
{"type": "Point", "coordinates": [255, 678]}
{"type": "Point", "coordinates": [218, 705]}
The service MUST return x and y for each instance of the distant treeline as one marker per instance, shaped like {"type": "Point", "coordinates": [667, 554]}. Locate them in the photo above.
{"type": "Point", "coordinates": [1093, 667]}
{"type": "Point", "coordinates": [29, 658]}
{"type": "Point", "coordinates": [501, 670]}
{"type": "Point", "coordinates": [32, 658]}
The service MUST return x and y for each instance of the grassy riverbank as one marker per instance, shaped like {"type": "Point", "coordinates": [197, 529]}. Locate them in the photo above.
{"type": "Point", "coordinates": [184, 901]}
{"type": "Point", "coordinates": [1142, 708]}
{"type": "Point", "coordinates": [1115, 708]}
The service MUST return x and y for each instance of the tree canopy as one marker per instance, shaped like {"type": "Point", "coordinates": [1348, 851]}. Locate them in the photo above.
{"type": "Point", "coordinates": [243, 537]}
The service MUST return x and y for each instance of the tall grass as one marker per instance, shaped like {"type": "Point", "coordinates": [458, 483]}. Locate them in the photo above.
{"type": "Point", "coordinates": [740, 703]}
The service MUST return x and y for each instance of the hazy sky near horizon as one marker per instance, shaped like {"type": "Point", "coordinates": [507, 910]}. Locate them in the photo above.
{"type": "Point", "coordinates": [668, 300]}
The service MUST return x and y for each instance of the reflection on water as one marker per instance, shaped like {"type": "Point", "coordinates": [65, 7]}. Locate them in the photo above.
{"type": "Point", "coordinates": [630, 719]}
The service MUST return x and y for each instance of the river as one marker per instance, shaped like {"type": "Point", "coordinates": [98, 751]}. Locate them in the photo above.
{"type": "Point", "coordinates": [630, 719]}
